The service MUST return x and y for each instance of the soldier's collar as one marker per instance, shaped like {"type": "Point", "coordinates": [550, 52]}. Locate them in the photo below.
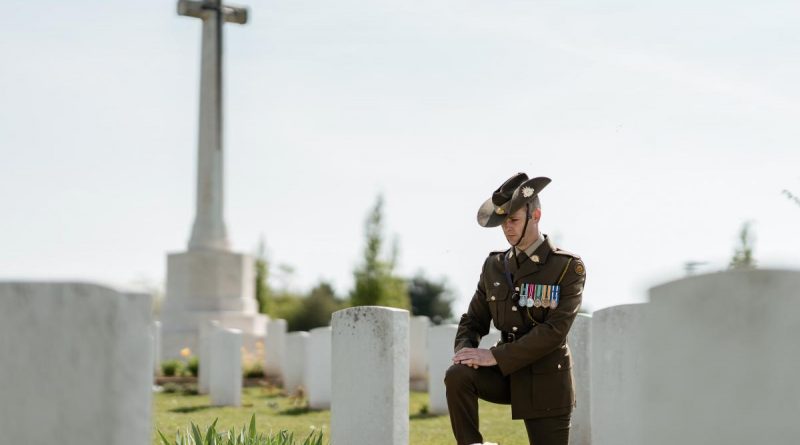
{"type": "Point", "coordinates": [532, 248]}
{"type": "Point", "coordinates": [538, 251]}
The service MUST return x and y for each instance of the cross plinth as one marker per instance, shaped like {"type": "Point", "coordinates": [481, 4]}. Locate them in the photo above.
{"type": "Point", "coordinates": [208, 231]}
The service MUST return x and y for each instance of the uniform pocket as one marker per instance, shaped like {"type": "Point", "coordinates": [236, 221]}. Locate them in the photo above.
{"type": "Point", "coordinates": [553, 390]}
{"type": "Point", "coordinates": [497, 298]}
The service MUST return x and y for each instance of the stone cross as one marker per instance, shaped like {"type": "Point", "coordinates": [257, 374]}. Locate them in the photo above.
{"type": "Point", "coordinates": [209, 230]}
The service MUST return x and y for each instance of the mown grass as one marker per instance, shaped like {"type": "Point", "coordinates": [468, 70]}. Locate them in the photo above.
{"type": "Point", "coordinates": [174, 411]}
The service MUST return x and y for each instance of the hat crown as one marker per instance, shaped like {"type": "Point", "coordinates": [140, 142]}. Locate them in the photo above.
{"type": "Point", "coordinates": [504, 193]}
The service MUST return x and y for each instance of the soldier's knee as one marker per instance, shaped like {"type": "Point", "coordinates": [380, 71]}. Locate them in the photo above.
{"type": "Point", "coordinates": [458, 375]}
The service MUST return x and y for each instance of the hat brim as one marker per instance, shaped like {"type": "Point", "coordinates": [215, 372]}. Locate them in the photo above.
{"type": "Point", "coordinates": [487, 217]}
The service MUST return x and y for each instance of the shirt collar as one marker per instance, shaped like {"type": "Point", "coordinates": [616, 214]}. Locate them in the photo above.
{"type": "Point", "coordinates": [532, 248]}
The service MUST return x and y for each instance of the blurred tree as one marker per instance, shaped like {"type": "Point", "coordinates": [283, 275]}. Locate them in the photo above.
{"type": "Point", "coordinates": [286, 305]}
{"type": "Point", "coordinates": [430, 298]}
{"type": "Point", "coordinates": [375, 282]}
{"type": "Point", "coordinates": [263, 292]}
{"type": "Point", "coordinates": [743, 253]}
{"type": "Point", "coordinates": [315, 310]}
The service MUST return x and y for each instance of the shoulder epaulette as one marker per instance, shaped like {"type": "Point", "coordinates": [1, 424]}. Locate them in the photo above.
{"type": "Point", "coordinates": [566, 253]}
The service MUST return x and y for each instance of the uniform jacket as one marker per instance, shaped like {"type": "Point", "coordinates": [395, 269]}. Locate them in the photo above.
{"type": "Point", "coordinates": [538, 361]}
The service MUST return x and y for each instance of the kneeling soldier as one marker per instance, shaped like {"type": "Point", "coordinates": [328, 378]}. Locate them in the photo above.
{"type": "Point", "coordinates": [532, 293]}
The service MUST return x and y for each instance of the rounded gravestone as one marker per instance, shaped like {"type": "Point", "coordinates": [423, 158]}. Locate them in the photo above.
{"type": "Point", "coordinates": [318, 368]}
{"type": "Point", "coordinates": [580, 345]}
{"type": "Point", "coordinates": [294, 362]}
{"type": "Point", "coordinates": [275, 347]}
{"type": "Point", "coordinates": [722, 361]}
{"type": "Point", "coordinates": [225, 370]}
{"type": "Point", "coordinates": [369, 402]}
{"type": "Point", "coordinates": [616, 367]}
{"type": "Point", "coordinates": [440, 356]}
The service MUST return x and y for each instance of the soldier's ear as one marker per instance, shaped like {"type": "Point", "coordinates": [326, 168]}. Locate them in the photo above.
{"type": "Point", "coordinates": [537, 215]}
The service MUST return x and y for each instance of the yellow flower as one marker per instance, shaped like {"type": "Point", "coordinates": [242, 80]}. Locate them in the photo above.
{"type": "Point", "coordinates": [186, 352]}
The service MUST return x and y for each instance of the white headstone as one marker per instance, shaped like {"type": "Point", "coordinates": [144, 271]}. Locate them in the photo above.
{"type": "Point", "coordinates": [225, 379]}
{"type": "Point", "coordinates": [76, 364]}
{"type": "Point", "coordinates": [206, 330]}
{"type": "Point", "coordinates": [418, 327]}
{"type": "Point", "coordinates": [440, 357]}
{"type": "Point", "coordinates": [318, 368]}
{"type": "Point", "coordinates": [370, 376]}
{"type": "Point", "coordinates": [157, 347]}
{"type": "Point", "coordinates": [580, 345]}
{"type": "Point", "coordinates": [722, 363]}
{"type": "Point", "coordinates": [418, 352]}
{"type": "Point", "coordinates": [616, 367]}
{"type": "Point", "coordinates": [294, 363]}
{"type": "Point", "coordinates": [274, 348]}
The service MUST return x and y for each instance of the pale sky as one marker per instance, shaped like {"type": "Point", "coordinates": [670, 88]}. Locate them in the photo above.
{"type": "Point", "coordinates": [663, 125]}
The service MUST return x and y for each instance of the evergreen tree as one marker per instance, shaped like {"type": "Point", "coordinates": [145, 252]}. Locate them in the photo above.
{"type": "Point", "coordinates": [430, 298]}
{"type": "Point", "coordinates": [315, 310]}
{"type": "Point", "coordinates": [375, 281]}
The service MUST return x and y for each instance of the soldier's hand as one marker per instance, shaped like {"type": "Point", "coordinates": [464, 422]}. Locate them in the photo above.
{"type": "Point", "coordinates": [475, 357]}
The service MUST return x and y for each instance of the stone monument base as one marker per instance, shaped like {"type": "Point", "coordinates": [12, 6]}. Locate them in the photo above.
{"type": "Point", "coordinates": [204, 285]}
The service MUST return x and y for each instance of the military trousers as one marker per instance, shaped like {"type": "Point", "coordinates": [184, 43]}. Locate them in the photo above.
{"type": "Point", "coordinates": [465, 385]}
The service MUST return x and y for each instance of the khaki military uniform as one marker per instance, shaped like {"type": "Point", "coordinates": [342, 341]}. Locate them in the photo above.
{"type": "Point", "coordinates": [533, 359]}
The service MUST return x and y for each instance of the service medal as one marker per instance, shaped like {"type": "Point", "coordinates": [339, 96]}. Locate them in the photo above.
{"type": "Point", "coordinates": [554, 298]}
{"type": "Point", "coordinates": [546, 295]}
{"type": "Point", "coordinates": [537, 300]}
{"type": "Point", "coordinates": [523, 295]}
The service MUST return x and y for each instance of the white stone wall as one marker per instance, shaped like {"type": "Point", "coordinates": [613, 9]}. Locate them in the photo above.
{"type": "Point", "coordinates": [318, 368]}
{"type": "Point", "coordinates": [616, 367]}
{"type": "Point", "coordinates": [722, 359]}
{"type": "Point", "coordinates": [294, 363]}
{"type": "Point", "coordinates": [370, 369]}
{"type": "Point", "coordinates": [441, 340]}
{"type": "Point", "coordinates": [580, 345]}
{"type": "Point", "coordinates": [275, 347]}
{"type": "Point", "coordinates": [76, 363]}
{"type": "Point", "coordinates": [225, 367]}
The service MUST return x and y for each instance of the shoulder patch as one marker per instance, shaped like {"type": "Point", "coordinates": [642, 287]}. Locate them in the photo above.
{"type": "Point", "coordinates": [559, 251]}
{"type": "Point", "coordinates": [579, 269]}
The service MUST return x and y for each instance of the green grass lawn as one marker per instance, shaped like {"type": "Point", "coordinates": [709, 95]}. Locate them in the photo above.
{"type": "Point", "coordinates": [173, 411]}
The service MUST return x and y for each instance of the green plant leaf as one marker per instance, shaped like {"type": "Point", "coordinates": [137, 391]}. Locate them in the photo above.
{"type": "Point", "coordinates": [252, 428]}
{"type": "Point", "coordinates": [198, 438]}
{"type": "Point", "coordinates": [164, 440]}
{"type": "Point", "coordinates": [211, 434]}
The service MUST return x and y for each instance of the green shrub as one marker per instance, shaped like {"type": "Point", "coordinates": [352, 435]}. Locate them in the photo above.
{"type": "Point", "coordinates": [193, 365]}
{"type": "Point", "coordinates": [171, 367]}
{"type": "Point", "coordinates": [248, 436]}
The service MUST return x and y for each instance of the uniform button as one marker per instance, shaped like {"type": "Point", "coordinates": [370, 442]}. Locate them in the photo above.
{"type": "Point", "coordinates": [516, 288]}
{"type": "Point", "coordinates": [514, 329]}
{"type": "Point", "coordinates": [559, 366]}
{"type": "Point", "coordinates": [492, 297]}
{"type": "Point", "coordinates": [514, 308]}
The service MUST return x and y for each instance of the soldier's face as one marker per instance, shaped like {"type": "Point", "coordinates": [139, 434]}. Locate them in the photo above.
{"type": "Point", "coordinates": [513, 225]}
